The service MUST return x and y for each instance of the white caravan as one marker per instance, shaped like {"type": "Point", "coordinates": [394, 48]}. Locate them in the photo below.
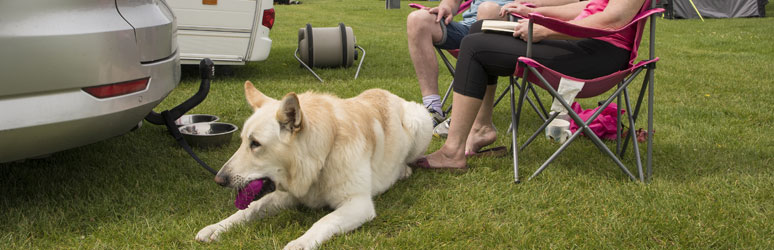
{"type": "Point", "coordinates": [226, 31]}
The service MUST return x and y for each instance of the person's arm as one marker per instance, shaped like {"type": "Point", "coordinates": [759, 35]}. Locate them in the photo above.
{"type": "Point", "coordinates": [617, 14]}
{"type": "Point", "coordinates": [446, 10]}
{"type": "Point", "coordinates": [544, 3]}
{"type": "Point", "coordinates": [563, 12]}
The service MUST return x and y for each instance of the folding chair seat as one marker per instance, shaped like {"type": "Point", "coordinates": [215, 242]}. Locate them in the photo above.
{"type": "Point", "coordinates": [532, 72]}
{"type": "Point", "coordinates": [454, 52]}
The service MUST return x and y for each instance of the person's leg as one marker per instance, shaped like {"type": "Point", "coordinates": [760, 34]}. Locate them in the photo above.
{"type": "Point", "coordinates": [452, 153]}
{"type": "Point", "coordinates": [423, 32]}
{"type": "Point", "coordinates": [467, 105]}
{"type": "Point", "coordinates": [483, 55]}
{"type": "Point", "coordinates": [483, 131]}
{"type": "Point", "coordinates": [489, 10]}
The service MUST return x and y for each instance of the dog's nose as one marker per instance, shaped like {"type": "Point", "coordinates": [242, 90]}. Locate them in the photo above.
{"type": "Point", "coordinates": [221, 180]}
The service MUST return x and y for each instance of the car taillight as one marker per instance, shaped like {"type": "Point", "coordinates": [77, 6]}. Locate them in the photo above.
{"type": "Point", "coordinates": [268, 18]}
{"type": "Point", "coordinates": [116, 89]}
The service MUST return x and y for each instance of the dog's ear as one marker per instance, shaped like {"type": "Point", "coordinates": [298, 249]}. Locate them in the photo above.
{"type": "Point", "coordinates": [289, 114]}
{"type": "Point", "coordinates": [254, 97]}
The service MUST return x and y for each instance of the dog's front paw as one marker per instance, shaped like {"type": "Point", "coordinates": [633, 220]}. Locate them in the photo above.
{"type": "Point", "coordinates": [300, 244]}
{"type": "Point", "coordinates": [210, 233]}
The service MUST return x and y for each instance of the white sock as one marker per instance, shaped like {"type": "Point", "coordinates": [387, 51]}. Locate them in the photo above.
{"type": "Point", "coordinates": [434, 102]}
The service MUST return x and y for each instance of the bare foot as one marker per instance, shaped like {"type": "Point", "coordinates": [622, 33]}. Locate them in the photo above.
{"type": "Point", "coordinates": [480, 137]}
{"type": "Point", "coordinates": [443, 159]}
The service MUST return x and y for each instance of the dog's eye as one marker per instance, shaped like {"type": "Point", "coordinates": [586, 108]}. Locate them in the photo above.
{"type": "Point", "coordinates": [254, 144]}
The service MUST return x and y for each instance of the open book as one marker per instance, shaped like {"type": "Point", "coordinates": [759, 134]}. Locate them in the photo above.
{"type": "Point", "coordinates": [499, 26]}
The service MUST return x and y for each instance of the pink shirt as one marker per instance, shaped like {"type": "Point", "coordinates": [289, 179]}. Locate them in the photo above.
{"type": "Point", "coordinates": [624, 39]}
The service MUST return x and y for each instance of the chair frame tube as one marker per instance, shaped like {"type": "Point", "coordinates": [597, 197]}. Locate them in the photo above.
{"type": "Point", "coordinates": [584, 128]}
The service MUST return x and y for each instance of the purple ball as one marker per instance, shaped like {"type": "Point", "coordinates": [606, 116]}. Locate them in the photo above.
{"type": "Point", "coordinates": [248, 194]}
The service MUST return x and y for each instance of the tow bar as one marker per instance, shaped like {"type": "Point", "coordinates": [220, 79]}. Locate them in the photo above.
{"type": "Point", "coordinates": [168, 117]}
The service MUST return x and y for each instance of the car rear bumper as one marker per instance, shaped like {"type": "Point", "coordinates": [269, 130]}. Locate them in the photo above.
{"type": "Point", "coordinates": [42, 123]}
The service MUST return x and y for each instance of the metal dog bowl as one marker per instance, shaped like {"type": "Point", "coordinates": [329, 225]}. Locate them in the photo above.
{"type": "Point", "coordinates": [208, 133]}
{"type": "Point", "coordinates": [195, 118]}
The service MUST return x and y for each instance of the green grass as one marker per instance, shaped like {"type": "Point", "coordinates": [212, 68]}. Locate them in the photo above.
{"type": "Point", "coordinates": [712, 185]}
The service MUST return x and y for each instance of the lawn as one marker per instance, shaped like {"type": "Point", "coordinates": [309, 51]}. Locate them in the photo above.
{"type": "Point", "coordinates": [712, 185]}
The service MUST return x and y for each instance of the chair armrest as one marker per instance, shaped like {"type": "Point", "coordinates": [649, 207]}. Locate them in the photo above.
{"type": "Point", "coordinates": [417, 6]}
{"type": "Point", "coordinates": [463, 6]}
{"type": "Point", "coordinates": [581, 31]}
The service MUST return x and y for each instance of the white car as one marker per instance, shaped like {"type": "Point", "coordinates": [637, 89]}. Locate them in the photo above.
{"type": "Point", "coordinates": [226, 31]}
{"type": "Point", "coordinates": [74, 72]}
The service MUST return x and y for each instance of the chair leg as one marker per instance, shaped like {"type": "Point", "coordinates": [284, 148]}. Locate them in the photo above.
{"type": "Point", "coordinates": [636, 113]}
{"type": "Point", "coordinates": [529, 100]}
{"type": "Point", "coordinates": [499, 98]}
{"type": "Point", "coordinates": [598, 142]}
{"type": "Point", "coordinates": [555, 154]}
{"type": "Point", "coordinates": [445, 61]}
{"type": "Point", "coordinates": [540, 103]}
{"type": "Point", "coordinates": [543, 116]}
{"type": "Point", "coordinates": [590, 134]}
{"type": "Point", "coordinates": [539, 130]}
{"type": "Point", "coordinates": [647, 84]}
{"type": "Point", "coordinates": [515, 117]}
{"type": "Point", "coordinates": [452, 72]}
{"type": "Point", "coordinates": [618, 126]}
{"type": "Point", "coordinates": [446, 96]}
{"type": "Point", "coordinates": [635, 145]}
{"type": "Point", "coordinates": [585, 128]}
{"type": "Point", "coordinates": [649, 159]}
{"type": "Point", "coordinates": [607, 151]}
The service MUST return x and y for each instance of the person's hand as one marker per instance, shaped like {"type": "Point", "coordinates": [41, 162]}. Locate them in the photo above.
{"type": "Point", "coordinates": [442, 12]}
{"type": "Point", "coordinates": [517, 8]}
{"type": "Point", "coordinates": [539, 32]}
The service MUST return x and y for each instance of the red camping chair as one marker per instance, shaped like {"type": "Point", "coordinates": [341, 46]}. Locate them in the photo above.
{"type": "Point", "coordinates": [454, 52]}
{"type": "Point", "coordinates": [532, 72]}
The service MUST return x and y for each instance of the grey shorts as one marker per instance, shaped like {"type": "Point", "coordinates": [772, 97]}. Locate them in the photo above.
{"type": "Point", "coordinates": [452, 35]}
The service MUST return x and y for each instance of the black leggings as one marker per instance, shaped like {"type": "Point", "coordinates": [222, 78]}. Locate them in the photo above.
{"type": "Point", "coordinates": [485, 56]}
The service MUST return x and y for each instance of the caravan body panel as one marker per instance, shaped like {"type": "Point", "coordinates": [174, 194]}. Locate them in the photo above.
{"type": "Point", "coordinates": [226, 31]}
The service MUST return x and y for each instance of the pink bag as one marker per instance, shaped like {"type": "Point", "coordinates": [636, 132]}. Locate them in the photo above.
{"type": "Point", "coordinates": [603, 126]}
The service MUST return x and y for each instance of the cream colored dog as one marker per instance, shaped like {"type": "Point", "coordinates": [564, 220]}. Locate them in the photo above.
{"type": "Point", "coordinates": [322, 151]}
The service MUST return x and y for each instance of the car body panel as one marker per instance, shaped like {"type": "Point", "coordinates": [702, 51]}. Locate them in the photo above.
{"type": "Point", "coordinates": [46, 53]}
{"type": "Point", "coordinates": [50, 50]}
{"type": "Point", "coordinates": [48, 123]}
{"type": "Point", "coordinates": [152, 38]}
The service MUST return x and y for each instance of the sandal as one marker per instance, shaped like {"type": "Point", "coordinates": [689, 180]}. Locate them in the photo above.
{"type": "Point", "coordinates": [423, 163]}
{"type": "Point", "coordinates": [500, 151]}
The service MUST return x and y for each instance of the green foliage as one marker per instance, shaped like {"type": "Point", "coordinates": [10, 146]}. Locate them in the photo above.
{"type": "Point", "coordinates": [712, 184]}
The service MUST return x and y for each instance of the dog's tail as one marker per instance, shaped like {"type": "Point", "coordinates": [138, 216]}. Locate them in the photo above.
{"type": "Point", "coordinates": [417, 121]}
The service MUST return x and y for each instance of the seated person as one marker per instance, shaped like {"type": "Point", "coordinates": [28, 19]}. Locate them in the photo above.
{"type": "Point", "coordinates": [485, 56]}
{"type": "Point", "coordinates": [434, 27]}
